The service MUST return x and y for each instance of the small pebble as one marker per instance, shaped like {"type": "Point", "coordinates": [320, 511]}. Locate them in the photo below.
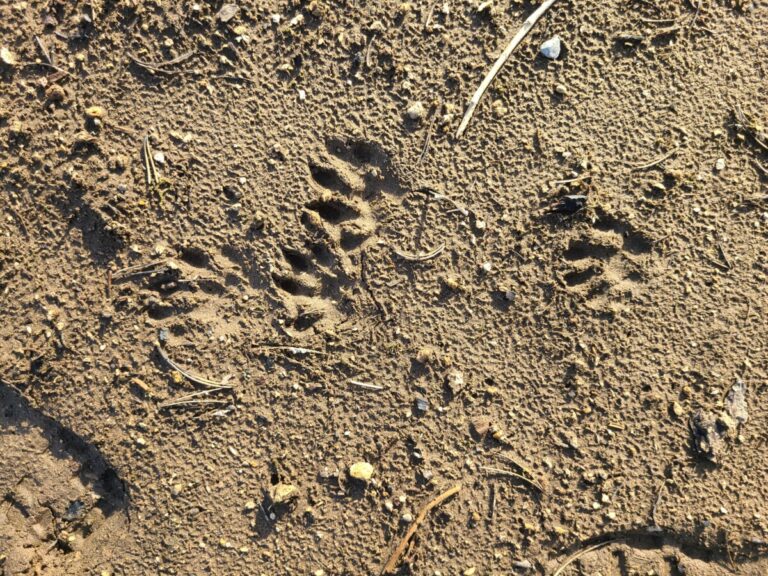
{"type": "Point", "coordinates": [470, 571]}
{"type": "Point", "coordinates": [522, 565]}
{"type": "Point", "coordinates": [422, 404]}
{"type": "Point", "coordinates": [361, 471]}
{"type": "Point", "coordinates": [486, 267]}
{"type": "Point", "coordinates": [302, 95]}
{"type": "Point", "coordinates": [159, 157]}
{"type": "Point", "coordinates": [551, 48]}
{"type": "Point", "coordinates": [7, 57]}
{"type": "Point", "coordinates": [416, 111]}
{"type": "Point", "coordinates": [94, 112]}
{"type": "Point", "coordinates": [720, 164]}
{"type": "Point", "coordinates": [281, 493]}
{"type": "Point", "coordinates": [407, 518]}
{"type": "Point", "coordinates": [561, 90]}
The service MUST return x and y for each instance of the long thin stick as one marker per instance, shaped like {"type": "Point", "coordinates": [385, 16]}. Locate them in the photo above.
{"type": "Point", "coordinates": [657, 161]}
{"type": "Point", "coordinates": [188, 375]}
{"type": "Point", "coordinates": [510, 474]}
{"type": "Point", "coordinates": [366, 385]}
{"type": "Point", "coordinates": [398, 552]}
{"type": "Point", "coordinates": [193, 398]}
{"type": "Point", "coordinates": [522, 33]}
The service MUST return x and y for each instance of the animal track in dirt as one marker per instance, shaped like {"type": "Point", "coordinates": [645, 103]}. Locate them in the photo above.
{"type": "Point", "coordinates": [607, 262]}
{"type": "Point", "coordinates": [62, 504]}
{"type": "Point", "coordinates": [198, 284]}
{"type": "Point", "coordinates": [316, 279]}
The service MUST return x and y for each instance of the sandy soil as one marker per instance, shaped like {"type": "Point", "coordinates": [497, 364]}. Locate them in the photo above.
{"type": "Point", "coordinates": [242, 251]}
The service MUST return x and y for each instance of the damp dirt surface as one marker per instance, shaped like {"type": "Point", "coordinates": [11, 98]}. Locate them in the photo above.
{"type": "Point", "coordinates": [241, 251]}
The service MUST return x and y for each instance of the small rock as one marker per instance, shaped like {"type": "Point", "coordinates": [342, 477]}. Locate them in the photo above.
{"type": "Point", "coordinates": [455, 380]}
{"type": "Point", "coordinates": [720, 164]}
{"type": "Point", "coordinates": [227, 12]}
{"type": "Point", "coordinates": [422, 404]}
{"type": "Point", "coordinates": [551, 48]}
{"type": "Point", "coordinates": [416, 111]}
{"type": "Point", "coordinates": [426, 354]}
{"type": "Point", "coordinates": [561, 90]}
{"type": "Point", "coordinates": [486, 267]}
{"type": "Point", "coordinates": [177, 489]}
{"type": "Point", "coordinates": [677, 409]}
{"type": "Point", "coordinates": [524, 565]}
{"type": "Point", "coordinates": [281, 493]}
{"type": "Point", "coordinates": [736, 402]}
{"type": "Point", "coordinates": [159, 157]}
{"type": "Point", "coordinates": [407, 518]}
{"type": "Point", "coordinates": [94, 112]}
{"type": "Point", "coordinates": [707, 438]}
{"type": "Point", "coordinates": [470, 571]}
{"type": "Point", "coordinates": [250, 505]}
{"type": "Point", "coordinates": [7, 57]}
{"type": "Point", "coordinates": [361, 471]}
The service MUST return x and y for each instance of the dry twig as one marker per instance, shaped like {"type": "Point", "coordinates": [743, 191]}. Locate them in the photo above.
{"type": "Point", "coordinates": [194, 399]}
{"type": "Point", "coordinates": [394, 558]}
{"type": "Point", "coordinates": [522, 33]}
{"type": "Point", "coordinates": [510, 474]}
{"type": "Point", "coordinates": [438, 196]}
{"type": "Point", "coordinates": [420, 257]}
{"type": "Point", "coordinates": [366, 385]}
{"type": "Point", "coordinates": [192, 377]}
{"type": "Point", "coordinates": [657, 161]}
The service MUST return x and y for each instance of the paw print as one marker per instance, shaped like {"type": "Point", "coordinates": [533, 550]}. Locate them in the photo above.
{"type": "Point", "coordinates": [316, 280]}
{"type": "Point", "coordinates": [607, 262]}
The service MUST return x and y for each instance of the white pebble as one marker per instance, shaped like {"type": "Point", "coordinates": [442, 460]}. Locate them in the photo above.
{"type": "Point", "coordinates": [159, 157]}
{"type": "Point", "coordinates": [551, 48]}
{"type": "Point", "coordinates": [416, 111]}
{"type": "Point", "coordinates": [720, 164]}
